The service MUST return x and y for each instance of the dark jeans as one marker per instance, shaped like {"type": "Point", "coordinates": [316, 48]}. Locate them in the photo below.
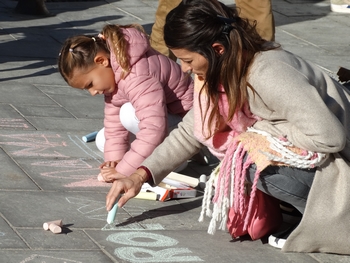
{"type": "Point", "coordinates": [288, 184]}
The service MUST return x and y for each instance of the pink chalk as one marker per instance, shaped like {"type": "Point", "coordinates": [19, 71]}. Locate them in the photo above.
{"type": "Point", "coordinates": [100, 178]}
{"type": "Point", "coordinates": [55, 228]}
{"type": "Point", "coordinates": [46, 225]}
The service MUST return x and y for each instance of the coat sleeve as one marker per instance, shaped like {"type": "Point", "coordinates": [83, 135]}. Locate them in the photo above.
{"type": "Point", "coordinates": [298, 107]}
{"type": "Point", "coordinates": [147, 96]}
{"type": "Point", "coordinates": [178, 147]}
{"type": "Point", "coordinates": [116, 135]}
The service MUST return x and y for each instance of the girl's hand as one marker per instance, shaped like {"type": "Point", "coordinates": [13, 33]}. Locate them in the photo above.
{"type": "Point", "coordinates": [109, 164]}
{"type": "Point", "coordinates": [129, 186]}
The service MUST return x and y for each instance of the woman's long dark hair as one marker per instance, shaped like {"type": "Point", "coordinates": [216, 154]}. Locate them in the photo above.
{"type": "Point", "coordinates": [195, 25]}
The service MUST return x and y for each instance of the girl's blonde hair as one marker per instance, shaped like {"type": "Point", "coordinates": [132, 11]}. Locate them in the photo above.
{"type": "Point", "coordinates": [80, 51]}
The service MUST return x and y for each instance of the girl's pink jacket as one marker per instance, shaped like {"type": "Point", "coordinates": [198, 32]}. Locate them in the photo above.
{"type": "Point", "coordinates": [155, 87]}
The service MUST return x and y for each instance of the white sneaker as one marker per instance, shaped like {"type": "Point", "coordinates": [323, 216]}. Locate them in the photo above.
{"type": "Point", "coordinates": [340, 6]}
{"type": "Point", "coordinates": [277, 240]}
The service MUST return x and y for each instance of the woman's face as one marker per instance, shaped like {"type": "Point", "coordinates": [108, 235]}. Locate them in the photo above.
{"type": "Point", "coordinates": [192, 61]}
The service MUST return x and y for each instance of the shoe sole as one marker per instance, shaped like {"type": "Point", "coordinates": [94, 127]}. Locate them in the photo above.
{"type": "Point", "coordinates": [276, 242]}
{"type": "Point", "coordinates": [340, 8]}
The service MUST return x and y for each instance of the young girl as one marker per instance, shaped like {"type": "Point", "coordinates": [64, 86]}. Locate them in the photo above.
{"type": "Point", "coordinates": [145, 92]}
{"type": "Point", "coordinates": [273, 119]}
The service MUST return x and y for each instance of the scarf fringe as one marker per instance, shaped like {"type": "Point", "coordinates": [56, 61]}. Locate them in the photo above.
{"type": "Point", "coordinates": [309, 159]}
{"type": "Point", "coordinates": [228, 179]}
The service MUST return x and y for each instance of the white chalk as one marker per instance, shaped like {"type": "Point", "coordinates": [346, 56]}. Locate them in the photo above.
{"type": "Point", "coordinates": [203, 178]}
{"type": "Point", "coordinates": [89, 137]}
{"type": "Point", "coordinates": [202, 181]}
{"type": "Point", "coordinates": [112, 213]}
{"type": "Point", "coordinates": [147, 196]}
{"type": "Point", "coordinates": [46, 225]}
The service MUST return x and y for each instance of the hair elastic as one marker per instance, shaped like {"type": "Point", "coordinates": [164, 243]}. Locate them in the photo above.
{"type": "Point", "coordinates": [71, 50]}
{"type": "Point", "coordinates": [228, 21]}
{"type": "Point", "coordinates": [101, 36]}
{"type": "Point", "coordinates": [94, 39]}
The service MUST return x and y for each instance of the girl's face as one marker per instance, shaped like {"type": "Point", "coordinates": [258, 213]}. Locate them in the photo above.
{"type": "Point", "coordinates": [192, 61]}
{"type": "Point", "coordinates": [97, 79]}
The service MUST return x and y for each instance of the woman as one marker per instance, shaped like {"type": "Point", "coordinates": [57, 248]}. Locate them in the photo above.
{"type": "Point", "coordinates": [243, 81]}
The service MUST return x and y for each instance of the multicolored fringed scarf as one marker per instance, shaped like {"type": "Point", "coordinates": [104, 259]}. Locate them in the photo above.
{"type": "Point", "coordinates": [229, 177]}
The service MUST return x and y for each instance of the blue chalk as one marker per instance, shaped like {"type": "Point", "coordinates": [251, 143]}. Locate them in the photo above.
{"type": "Point", "coordinates": [90, 137]}
{"type": "Point", "coordinates": [112, 213]}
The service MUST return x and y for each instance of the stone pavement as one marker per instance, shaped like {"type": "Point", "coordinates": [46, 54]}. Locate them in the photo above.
{"type": "Point", "coordinates": [47, 172]}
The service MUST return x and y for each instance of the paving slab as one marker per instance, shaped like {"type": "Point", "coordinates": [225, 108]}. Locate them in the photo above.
{"type": "Point", "coordinates": [8, 238]}
{"type": "Point", "coordinates": [49, 173]}
{"type": "Point", "coordinates": [63, 174]}
{"type": "Point", "coordinates": [47, 144]}
{"type": "Point", "coordinates": [27, 70]}
{"type": "Point", "coordinates": [32, 94]}
{"type": "Point", "coordinates": [13, 177]}
{"type": "Point", "coordinates": [62, 256]}
{"type": "Point", "coordinates": [11, 119]}
{"type": "Point", "coordinates": [53, 111]}
{"type": "Point", "coordinates": [179, 246]}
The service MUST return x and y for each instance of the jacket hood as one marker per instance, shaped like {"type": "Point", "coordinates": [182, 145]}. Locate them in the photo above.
{"type": "Point", "coordinates": [138, 46]}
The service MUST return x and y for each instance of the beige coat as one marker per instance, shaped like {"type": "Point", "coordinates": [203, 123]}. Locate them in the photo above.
{"type": "Point", "coordinates": [297, 100]}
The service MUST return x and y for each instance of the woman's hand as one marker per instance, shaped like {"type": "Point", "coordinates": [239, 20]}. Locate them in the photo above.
{"type": "Point", "coordinates": [129, 186]}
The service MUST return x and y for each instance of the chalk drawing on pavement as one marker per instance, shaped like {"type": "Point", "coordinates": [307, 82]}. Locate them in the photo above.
{"type": "Point", "coordinates": [96, 210]}
{"type": "Point", "coordinates": [43, 258]}
{"type": "Point", "coordinates": [138, 246]}
{"type": "Point", "coordinates": [13, 123]}
{"type": "Point", "coordinates": [51, 146]}
{"type": "Point", "coordinates": [35, 144]}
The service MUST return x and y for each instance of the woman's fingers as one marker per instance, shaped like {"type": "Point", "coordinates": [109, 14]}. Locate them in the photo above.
{"type": "Point", "coordinates": [129, 186]}
{"type": "Point", "coordinates": [113, 194]}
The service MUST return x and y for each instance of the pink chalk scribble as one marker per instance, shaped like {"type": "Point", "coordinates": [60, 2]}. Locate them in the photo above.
{"type": "Point", "coordinates": [35, 144]}
{"type": "Point", "coordinates": [13, 123]}
{"type": "Point", "coordinates": [91, 182]}
{"type": "Point", "coordinates": [59, 167]}
{"type": "Point", "coordinates": [78, 170]}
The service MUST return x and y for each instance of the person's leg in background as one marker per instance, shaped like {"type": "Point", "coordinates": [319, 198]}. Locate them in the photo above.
{"type": "Point", "coordinates": [261, 11]}
{"type": "Point", "coordinates": [32, 7]}
{"type": "Point", "coordinates": [157, 36]}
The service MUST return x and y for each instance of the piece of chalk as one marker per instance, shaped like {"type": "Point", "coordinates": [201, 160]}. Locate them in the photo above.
{"type": "Point", "coordinates": [100, 178]}
{"type": "Point", "coordinates": [147, 196]}
{"type": "Point", "coordinates": [202, 181]}
{"type": "Point", "coordinates": [112, 213]}
{"type": "Point", "coordinates": [89, 137]}
{"type": "Point", "coordinates": [203, 178]}
{"type": "Point", "coordinates": [55, 228]}
{"type": "Point", "coordinates": [46, 225]}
